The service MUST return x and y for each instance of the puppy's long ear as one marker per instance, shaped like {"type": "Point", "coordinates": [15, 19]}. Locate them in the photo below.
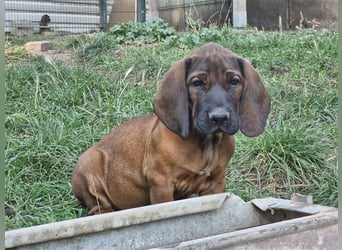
{"type": "Point", "coordinates": [171, 102]}
{"type": "Point", "coordinates": [255, 101]}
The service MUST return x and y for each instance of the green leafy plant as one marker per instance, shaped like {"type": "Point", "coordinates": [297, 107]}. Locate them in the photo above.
{"type": "Point", "coordinates": [141, 33]}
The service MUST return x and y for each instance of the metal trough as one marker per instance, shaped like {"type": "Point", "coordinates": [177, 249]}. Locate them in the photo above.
{"type": "Point", "coordinates": [221, 221]}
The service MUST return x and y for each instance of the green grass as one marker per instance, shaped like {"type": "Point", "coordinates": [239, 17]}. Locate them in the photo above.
{"type": "Point", "coordinates": [54, 111]}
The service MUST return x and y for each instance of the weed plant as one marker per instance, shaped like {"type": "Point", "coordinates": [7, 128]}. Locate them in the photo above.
{"type": "Point", "coordinates": [55, 111]}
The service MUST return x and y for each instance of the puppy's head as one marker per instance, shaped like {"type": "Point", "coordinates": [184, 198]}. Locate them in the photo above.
{"type": "Point", "coordinates": [212, 90]}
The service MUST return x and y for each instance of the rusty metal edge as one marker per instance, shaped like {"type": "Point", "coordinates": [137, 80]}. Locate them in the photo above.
{"type": "Point", "coordinates": [270, 203]}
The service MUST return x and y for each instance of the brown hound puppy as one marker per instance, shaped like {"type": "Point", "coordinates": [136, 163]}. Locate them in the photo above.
{"type": "Point", "coordinates": [183, 148]}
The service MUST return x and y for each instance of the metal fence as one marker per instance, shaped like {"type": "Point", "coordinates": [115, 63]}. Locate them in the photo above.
{"type": "Point", "coordinates": [27, 17]}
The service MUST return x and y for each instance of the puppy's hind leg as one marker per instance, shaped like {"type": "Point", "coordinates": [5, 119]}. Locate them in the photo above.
{"type": "Point", "coordinates": [89, 186]}
{"type": "Point", "coordinates": [98, 200]}
{"type": "Point", "coordinates": [92, 195]}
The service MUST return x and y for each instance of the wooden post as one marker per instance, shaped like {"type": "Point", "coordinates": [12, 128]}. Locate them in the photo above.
{"type": "Point", "coordinates": [239, 13]}
{"type": "Point", "coordinates": [123, 11]}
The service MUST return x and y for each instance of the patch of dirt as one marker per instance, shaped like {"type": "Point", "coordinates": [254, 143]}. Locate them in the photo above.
{"type": "Point", "coordinates": [52, 55]}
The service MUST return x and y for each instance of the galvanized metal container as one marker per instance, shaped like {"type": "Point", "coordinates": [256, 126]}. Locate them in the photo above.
{"type": "Point", "coordinates": [211, 222]}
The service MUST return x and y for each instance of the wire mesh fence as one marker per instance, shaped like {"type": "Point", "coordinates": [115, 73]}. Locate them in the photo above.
{"type": "Point", "coordinates": [27, 17]}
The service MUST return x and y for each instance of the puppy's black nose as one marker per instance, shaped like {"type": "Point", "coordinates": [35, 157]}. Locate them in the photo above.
{"type": "Point", "coordinates": [218, 116]}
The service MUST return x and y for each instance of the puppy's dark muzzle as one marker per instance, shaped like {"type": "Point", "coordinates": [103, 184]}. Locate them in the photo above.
{"type": "Point", "coordinates": [219, 116]}
{"type": "Point", "coordinates": [218, 120]}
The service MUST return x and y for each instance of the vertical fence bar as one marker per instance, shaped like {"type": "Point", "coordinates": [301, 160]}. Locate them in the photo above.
{"type": "Point", "coordinates": [103, 15]}
{"type": "Point", "coordinates": [141, 9]}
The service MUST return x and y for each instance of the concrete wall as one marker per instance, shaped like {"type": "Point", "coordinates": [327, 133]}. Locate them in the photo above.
{"type": "Point", "coordinates": [260, 13]}
{"type": "Point", "coordinates": [265, 13]}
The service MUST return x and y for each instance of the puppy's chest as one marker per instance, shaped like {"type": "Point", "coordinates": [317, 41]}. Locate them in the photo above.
{"type": "Point", "coordinates": [198, 172]}
{"type": "Point", "coordinates": [205, 157]}
{"type": "Point", "coordinates": [189, 183]}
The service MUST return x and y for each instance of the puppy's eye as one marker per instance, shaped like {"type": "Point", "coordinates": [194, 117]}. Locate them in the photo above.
{"type": "Point", "coordinates": [198, 83]}
{"type": "Point", "coordinates": [235, 81]}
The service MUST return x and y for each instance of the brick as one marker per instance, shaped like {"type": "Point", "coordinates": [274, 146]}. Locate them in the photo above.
{"type": "Point", "coordinates": [38, 46]}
